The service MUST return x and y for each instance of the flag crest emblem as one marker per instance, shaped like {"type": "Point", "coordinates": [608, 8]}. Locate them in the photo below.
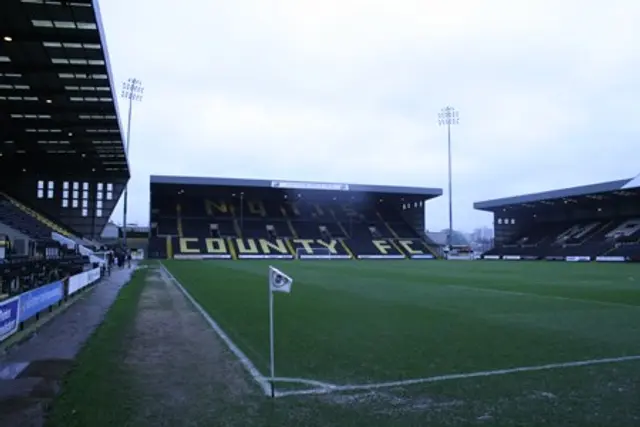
{"type": "Point", "coordinates": [279, 281]}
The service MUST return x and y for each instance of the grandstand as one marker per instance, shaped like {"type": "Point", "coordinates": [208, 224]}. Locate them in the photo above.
{"type": "Point", "coordinates": [62, 158]}
{"type": "Point", "coordinates": [592, 222]}
{"type": "Point", "coordinates": [218, 218]}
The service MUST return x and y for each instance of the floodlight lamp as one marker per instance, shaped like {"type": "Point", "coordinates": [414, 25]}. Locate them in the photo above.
{"type": "Point", "coordinates": [7, 39]}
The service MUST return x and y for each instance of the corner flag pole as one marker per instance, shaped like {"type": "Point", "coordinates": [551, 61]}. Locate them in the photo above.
{"type": "Point", "coordinates": [272, 362]}
{"type": "Point", "coordinates": [278, 282]}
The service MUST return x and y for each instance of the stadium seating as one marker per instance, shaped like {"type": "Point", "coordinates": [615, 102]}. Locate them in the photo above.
{"type": "Point", "coordinates": [576, 238]}
{"type": "Point", "coordinates": [238, 228]}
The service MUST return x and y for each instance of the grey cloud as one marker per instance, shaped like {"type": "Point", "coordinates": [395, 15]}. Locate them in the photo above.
{"type": "Point", "coordinates": [346, 93]}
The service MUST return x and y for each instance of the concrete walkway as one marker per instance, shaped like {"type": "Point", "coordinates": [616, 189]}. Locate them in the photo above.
{"type": "Point", "coordinates": [30, 372]}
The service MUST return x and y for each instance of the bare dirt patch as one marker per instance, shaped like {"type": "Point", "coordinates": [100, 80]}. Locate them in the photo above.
{"type": "Point", "coordinates": [180, 371]}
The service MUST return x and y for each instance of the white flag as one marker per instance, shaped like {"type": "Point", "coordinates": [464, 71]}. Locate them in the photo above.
{"type": "Point", "coordinates": [278, 281]}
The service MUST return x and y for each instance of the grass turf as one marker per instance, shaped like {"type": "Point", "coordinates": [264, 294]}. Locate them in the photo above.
{"type": "Point", "coordinates": [353, 322]}
{"type": "Point", "coordinates": [361, 322]}
{"type": "Point", "coordinates": [96, 392]}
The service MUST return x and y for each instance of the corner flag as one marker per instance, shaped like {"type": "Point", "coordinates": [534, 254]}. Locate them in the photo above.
{"type": "Point", "coordinates": [278, 281]}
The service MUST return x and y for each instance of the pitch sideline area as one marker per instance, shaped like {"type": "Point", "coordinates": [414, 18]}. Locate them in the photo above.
{"type": "Point", "coordinates": [321, 387]}
{"type": "Point", "coordinates": [363, 327]}
{"type": "Point", "coordinates": [530, 318]}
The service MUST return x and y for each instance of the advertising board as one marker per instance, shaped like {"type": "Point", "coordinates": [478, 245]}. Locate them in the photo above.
{"type": "Point", "coordinates": [36, 300]}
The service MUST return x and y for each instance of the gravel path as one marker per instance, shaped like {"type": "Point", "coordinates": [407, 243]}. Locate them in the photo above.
{"type": "Point", "coordinates": [49, 353]}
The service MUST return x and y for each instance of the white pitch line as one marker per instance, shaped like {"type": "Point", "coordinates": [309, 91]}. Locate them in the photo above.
{"type": "Point", "coordinates": [246, 362]}
{"type": "Point", "coordinates": [359, 387]}
{"type": "Point", "coordinates": [314, 383]}
{"type": "Point", "coordinates": [263, 382]}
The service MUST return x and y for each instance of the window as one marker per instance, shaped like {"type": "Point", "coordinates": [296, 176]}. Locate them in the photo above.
{"type": "Point", "coordinates": [85, 212]}
{"type": "Point", "coordinates": [100, 186]}
{"type": "Point", "coordinates": [74, 203]}
{"type": "Point", "coordinates": [65, 203]}
{"type": "Point", "coordinates": [40, 193]}
{"type": "Point", "coordinates": [99, 213]}
{"type": "Point", "coordinates": [40, 185]}
{"type": "Point", "coordinates": [76, 185]}
{"type": "Point", "coordinates": [85, 186]}
{"type": "Point", "coordinates": [50, 185]}
{"type": "Point", "coordinates": [99, 204]}
{"type": "Point", "coordinates": [50, 194]}
{"type": "Point", "coordinates": [65, 185]}
{"type": "Point", "coordinates": [75, 194]}
{"type": "Point", "coordinates": [85, 204]}
{"type": "Point", "coordinates": [99, 195]}
{"type": "Point", "coordinates": [65, 194]}
{"type": "Point", "coordinates": [85, 194]}
{"type": "Point", "coordinates": [109, 191]}
{"type": "Point", "coordinates": [499, 220]}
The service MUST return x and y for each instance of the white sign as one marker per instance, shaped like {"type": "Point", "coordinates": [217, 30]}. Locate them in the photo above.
{"type": "Point", "coordinates": [610, 259]}
{"type": "Point", "coordinates": [578, 258]}
{"type": "Point", "coordinates": [381, 257]}
{"type": "Point", "coordinates": [324, 257]}
{"type": "Point", "coordinates": [309, 185]}
{"type": "Point", "coordinates": [83, 280]}
{"type": "Point", "coordinates": [265, 256]}
{"type": "Point", "coordinates": [77, 282]}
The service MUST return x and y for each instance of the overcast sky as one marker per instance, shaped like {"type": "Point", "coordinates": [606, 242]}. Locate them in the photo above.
{"type": "Point", "coordinates": [349, 91]}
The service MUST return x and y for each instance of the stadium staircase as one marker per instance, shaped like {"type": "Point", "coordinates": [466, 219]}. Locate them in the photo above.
{"type": "Point", "coordinates": [179, 220]}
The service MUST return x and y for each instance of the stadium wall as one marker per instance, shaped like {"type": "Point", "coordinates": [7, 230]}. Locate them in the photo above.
{"type": "Point", "coordinates": [208, 222]}
{"type": "Point", "coordinates": [86, 210]}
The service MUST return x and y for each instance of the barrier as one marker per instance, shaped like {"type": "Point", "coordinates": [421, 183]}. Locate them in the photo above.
{"type": "Point", "coordinates": [511, 257]}
{"type": "Point", "coordinates": [422, 256]}
{"type": "Point", "coordinates": [202, 256]}
{"type": "Point", "coordinates": [324, 257]}
{"type": "Point", "coordinates": [491, 257]}
{"type": "Point", "coordinates": [33, 302]}
{"type": "Point", "coordinates": [265, 256]}
{"type": "Point", "coordinates": [578, 259]}
{"type": "Point", "coordinates": [469, 257]}
{"type": "Point", "coordinates": [9, 313]}
{"type": "Point", "coordinates": [610, 259]}
{"type": "Point", "coordinates": [82, 280]}
{"type": "Point", "coordinates": [554, 258]}
{"type": "Point", "coordinates": [381, 257]}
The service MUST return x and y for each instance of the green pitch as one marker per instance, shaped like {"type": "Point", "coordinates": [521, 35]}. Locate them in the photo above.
{"type": "Point", "coordinates": [362, 322]}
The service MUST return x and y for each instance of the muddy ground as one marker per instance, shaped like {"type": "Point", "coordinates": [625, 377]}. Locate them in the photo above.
{"type": "Point", "coordinates": [182, 373]}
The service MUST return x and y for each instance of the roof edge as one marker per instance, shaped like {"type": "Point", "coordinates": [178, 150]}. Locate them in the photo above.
{"type": "Point", "coordinates": [582, 190]}
{"type": "Point", "coordinates": [292, 184]}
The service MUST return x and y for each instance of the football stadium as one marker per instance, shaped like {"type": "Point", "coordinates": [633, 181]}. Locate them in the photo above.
{"type": "Point", "coordinates": [377, 323]}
